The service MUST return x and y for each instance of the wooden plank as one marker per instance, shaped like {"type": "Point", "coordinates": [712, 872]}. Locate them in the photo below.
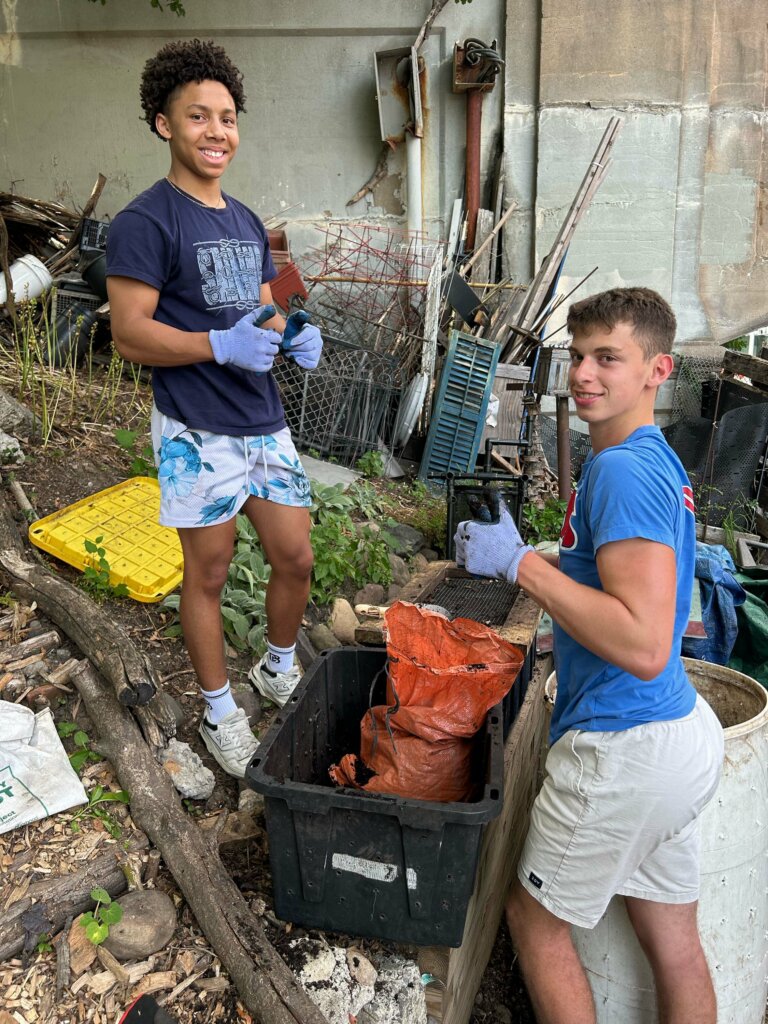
{"type": "Point", "coordinates": [748, 366]}
{"type": "Point", "coordinates": [461, 970]}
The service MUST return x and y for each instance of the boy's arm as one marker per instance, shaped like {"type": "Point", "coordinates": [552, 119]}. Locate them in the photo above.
{"type": "Point", "coordinates": [140, 339]}
{"type": "Point", "coordinates": [630, 622]}
{"type": "Point", "coordinates": [277, 323]}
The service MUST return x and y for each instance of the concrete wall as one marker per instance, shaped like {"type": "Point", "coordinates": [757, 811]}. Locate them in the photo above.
{"type": "Point", "coordinates": [684, 206]}
{"type": "Point", "coordinates": [69, 80]}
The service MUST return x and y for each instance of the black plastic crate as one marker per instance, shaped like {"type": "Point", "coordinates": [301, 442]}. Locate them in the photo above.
{"type": "Point", "coordinates": [365, 864]}
{"type": "Point", "coordinates": [510, 489]}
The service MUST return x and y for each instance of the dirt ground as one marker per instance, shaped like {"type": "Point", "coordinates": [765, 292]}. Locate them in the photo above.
{"type": "Point", "coordinates": [69, 469]}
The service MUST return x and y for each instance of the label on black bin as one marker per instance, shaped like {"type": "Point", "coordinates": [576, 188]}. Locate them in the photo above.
{"type": "Point", "coordinates": [373, 869]}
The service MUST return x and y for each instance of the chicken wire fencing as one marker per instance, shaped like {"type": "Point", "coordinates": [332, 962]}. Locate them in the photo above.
{"type": "Point", "coordinates": [346, 406]}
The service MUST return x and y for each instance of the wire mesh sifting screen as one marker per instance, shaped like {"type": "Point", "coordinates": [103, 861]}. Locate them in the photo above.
{"type": "Point", "coordinates": [346, 406]}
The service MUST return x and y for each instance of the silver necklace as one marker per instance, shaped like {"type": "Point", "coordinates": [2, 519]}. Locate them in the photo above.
{"type": "Point", "coordinates": [192, 199]}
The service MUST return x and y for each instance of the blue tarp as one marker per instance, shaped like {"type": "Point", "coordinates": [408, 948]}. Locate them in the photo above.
{"type": "Point", "coordinates": [721, 595]}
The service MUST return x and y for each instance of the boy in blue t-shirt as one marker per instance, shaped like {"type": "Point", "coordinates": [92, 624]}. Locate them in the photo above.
{"type": "Point", "coordinates": [188, 272]}
{"type": "Point", "coordinates": [635, 754]}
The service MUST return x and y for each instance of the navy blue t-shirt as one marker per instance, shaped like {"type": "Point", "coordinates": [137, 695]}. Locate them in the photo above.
{"type": "Point", "coordinates": [208, 266]}
{"type": "Point", "coordinates": [635, 489]}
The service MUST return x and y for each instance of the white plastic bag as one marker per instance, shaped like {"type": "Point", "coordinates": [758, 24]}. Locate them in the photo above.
{"type": "Point", "coordinates": [36, 778]}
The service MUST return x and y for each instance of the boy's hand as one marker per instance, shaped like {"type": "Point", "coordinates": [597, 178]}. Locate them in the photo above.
{"type": "Point", "coordinates": [491, 549]}
{"type": "Point", "coordinates": [302, 341]}
{"type": "Point", "coordinates": [246, 344]}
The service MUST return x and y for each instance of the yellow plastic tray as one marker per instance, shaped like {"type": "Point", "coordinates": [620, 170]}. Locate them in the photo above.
{"type": "Point", "coordinates": [143, 555]}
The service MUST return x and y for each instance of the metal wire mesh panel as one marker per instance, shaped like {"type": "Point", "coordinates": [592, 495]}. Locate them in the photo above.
{"type": "Point", "coordinates": [346, 406]}
{"type": "Point", "coordinates": [694, 369]}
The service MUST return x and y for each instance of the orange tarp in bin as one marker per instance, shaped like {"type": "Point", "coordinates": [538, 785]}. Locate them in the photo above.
{"type": "Point", "coordinates": [443, 678]}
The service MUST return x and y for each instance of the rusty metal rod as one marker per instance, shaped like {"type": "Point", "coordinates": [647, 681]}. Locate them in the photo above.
{"type": "Point", "coordinates": [474, 119]}
{"type": "Point", "coordinates": [563, 448]}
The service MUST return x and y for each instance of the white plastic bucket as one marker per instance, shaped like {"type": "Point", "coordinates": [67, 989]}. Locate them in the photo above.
{"type": "Point", "coordinates": [733, 910]}
{"type": "Point", "coordinates": [29, 277]}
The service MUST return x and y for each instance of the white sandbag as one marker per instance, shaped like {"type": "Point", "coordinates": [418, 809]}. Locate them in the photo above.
{"type": "Point", "coordinates": [36, 778]}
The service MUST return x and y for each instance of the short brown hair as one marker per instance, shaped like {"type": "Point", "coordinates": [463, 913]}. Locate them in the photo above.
{"type": "Point", "coordinates": [176, 64]}
{"type": "Point", "coordinates": [653, 322]}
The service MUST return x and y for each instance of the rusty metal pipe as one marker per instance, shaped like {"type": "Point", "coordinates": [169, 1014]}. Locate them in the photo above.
{"type": "Point", "coordinates": [474, 121]}
{"type": "Point", "coordinates": [563, 448]}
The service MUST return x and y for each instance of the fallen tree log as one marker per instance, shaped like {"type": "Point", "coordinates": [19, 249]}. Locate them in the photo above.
{"type": "Point", "coordinates": [265, 984]}
{"type": "Point", "coordinates": [111, 651]}
{"type": "Point", "coordinates": [65, 896]}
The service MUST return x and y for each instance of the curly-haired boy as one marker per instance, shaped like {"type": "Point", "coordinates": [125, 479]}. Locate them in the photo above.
{"type": "Point", "coordinates": [188, 278]}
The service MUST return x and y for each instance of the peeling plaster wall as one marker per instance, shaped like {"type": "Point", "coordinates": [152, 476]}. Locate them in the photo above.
{"type": "Point", "coordinates": [684, 206]}
{"type": "Point", "coordinates": [69, 74]}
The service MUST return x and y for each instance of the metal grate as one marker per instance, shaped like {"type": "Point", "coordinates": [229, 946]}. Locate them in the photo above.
{"type": "Point", "coordinates": [486, 601]}
{"type": "Point", "coordinates": [346, 406]}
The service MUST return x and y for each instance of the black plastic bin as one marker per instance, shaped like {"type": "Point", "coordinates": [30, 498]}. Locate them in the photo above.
{"type": "Point", "coordinates": [365, 864]}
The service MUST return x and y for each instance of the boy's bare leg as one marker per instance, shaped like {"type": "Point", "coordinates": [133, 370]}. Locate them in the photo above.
{"type": "Point", "coordinates": [207, 554]}
{"type": "Point", "coordinates": [284, 534]}
{"type": "Point", "coordinates": [669, 936]}
{"type": "Point", "coordinates": [554, 976]}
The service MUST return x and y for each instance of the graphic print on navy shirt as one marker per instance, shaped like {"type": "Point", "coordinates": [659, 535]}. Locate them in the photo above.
{"type": "Point", "coordinates": [230, 270]}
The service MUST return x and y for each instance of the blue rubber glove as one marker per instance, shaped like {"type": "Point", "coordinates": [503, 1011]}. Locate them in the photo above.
{"type": "Point", "coordinates": [302, 341]}
{"type": "Point", "coordinates": [491, 549]}
{"type": "Point", "coordinates": [246, 344]}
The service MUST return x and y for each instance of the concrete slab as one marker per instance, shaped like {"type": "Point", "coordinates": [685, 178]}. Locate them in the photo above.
{"type": "Point", "coordinates": [328, 472]}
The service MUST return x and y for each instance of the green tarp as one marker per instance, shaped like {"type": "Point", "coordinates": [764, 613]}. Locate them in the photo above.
{"type": "Point", "coordinates": [750, 652]}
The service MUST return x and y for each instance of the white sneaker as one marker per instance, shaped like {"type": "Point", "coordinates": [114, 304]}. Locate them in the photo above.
{"type": "Point", "coordinates": [230, 741]}
{"type": "Point", "coordinates": [276, 686]}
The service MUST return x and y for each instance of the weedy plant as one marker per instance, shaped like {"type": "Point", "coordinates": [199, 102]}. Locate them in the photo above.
{"type": "Point", "coordinates": [544, 522]}
{"type": "Point", "coordinates": [82, 743]}
{"type": "Point", "coordinates": [97, 797]}
{"type": "Point", "coordinates": [142, 461]}
{"type": "Point", "coordinates": [95, 579]}
{"type": "Point", "coordinates": [98, 921]}
{"type": "Point", "coordinates": [371, 464]}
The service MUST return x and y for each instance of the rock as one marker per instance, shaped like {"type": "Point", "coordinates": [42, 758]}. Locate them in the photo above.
{"type": "Point", "coordinates": [10, 450]}
{"type": "Point", "coordinates": [429, 554]}
{"type": "Point", "coordinates": [361, 969]}
{"type": "Point", "coordinates": [147, 924]}
{"type": "Point", "coordinates": [393, 592]}
{"type": "Point", "coordinates": [62, 654]}
{"type": "Point", "coordinates": [15, 417]}
{"type": "Point", "coordinates": [501, 1014]}
{"type": "Point", "coordinates": [35, 668]}
{"type": "Point", "coordinates": [409, 540]}
{"type": "Point", "coordinates": [400, 574]}
{"type": "Point", "coordinates": [371, 593]}
{"type": "Point", "coordinates": [250, 802]}
{"type": "Point", "coordinates": [247, 699]}
{"type": "Point", "coordinates": [419, 563]}
{"type": "Point", "coordinates": [326, 978]}
{"type": "Point", "coordinates": [305, 652]}
{"type": "Point", "coordinates": [173, 705]}
{"type": "Point", "coordinates": [322, 638]}
{"type": "Point", "coordinates": [399, 997]}
{"type": "Point", "coordinates": [188, 773]}
{"type": "Point", "coordinates": [343, 621]}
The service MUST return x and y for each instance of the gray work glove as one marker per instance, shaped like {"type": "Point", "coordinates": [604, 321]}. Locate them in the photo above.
{"type": "Point", "coordinates": [246, 344]}
{"type": "Point", "coordinates": [491, 549]}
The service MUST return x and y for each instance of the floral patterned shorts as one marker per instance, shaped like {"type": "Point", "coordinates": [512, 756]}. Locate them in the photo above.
{"type": "Point", "coordinates": [205, 478]}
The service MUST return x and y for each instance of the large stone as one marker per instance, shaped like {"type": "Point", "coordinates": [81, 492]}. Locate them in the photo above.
{"type": "Point", "coordinates": [343, 621]}
{"type": "Point", "coordinates": [247, 699]}
{"type": "Point", "coordinates": [322, 638]}
{"type": "Point", "coordinates": [371, 593]}
{"type": "Point", "coordinates": [430, 554]}
{"type": "Point", "coordinates": [16, 418]}
{"type": "Point", "coordinates": [147, 924]}
{"type": "Point", "coordinates": [10, 450]}
{"type": "Point", "coordinates": [419, 563]}
{"type": "Point", "coordinates": [326, 978]}
{"type": "Point", "coordinates": [188, 773]}
{"type": "Point", "coordinates": [400, 574]}
{"type": "Point", "coordinates": [409, 540]}
{"type": "Point", "coordinates": [393, 592]}
{"type": "Point", "coordinates": [250, 802]}
{"type": "Point", "coordinates": [172, 705]}
{"type": "Point", "coordinates": [399, 997]}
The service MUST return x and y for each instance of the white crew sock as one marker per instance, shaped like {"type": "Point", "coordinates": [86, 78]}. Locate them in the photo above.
{"type": "Point", "coordinates": [279, 659]}
{"type": "Point", "coordinates": [220, 703]}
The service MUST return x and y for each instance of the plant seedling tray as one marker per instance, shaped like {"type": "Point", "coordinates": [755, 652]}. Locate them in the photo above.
{"type": "Point", "coordinates": [143, 555]}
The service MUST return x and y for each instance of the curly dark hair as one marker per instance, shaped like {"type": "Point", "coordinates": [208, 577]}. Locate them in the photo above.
{"type": "Point", "coordinates": [176, 64]}
{"type": "Point", "coordinates": [651, 316]}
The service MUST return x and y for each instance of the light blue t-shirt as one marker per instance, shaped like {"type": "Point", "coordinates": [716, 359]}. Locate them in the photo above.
{"type": "Point", "coordinates": [637, 489]}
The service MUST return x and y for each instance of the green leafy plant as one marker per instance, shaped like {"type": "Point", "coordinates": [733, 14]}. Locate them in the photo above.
{"type": "Point", "coordinates": [96, 575]}
{"type": "Point", "coordinates": [544, 522]}
{"type": "Point", "coordinates": [428, 515]}
{"type": "Point", "coordinates": [142, 462]}
{"type": "Point", "coordinates": [82, 753]}
{"type": "Point", "coordinates": [365, 498]}
{"type": "Point", "coordinates": [371, 464]}
{"type": "Point", "coordinates": [95, 809]}
{"type": "Point", "coordinates": [98, 921]}
{"type": "Point", "coordinates": [44, 944]}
